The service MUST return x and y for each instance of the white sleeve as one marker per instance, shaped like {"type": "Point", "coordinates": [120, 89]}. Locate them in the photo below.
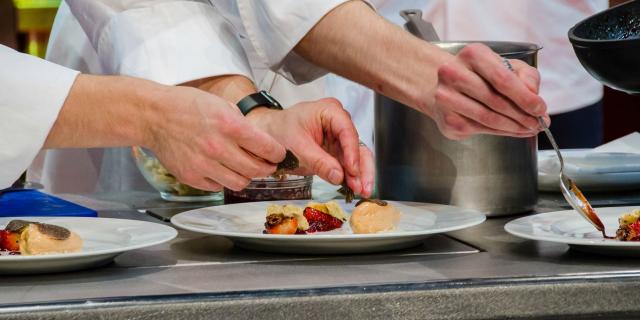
{"type": "Point", "coordinates": [170, 42]}
{"type": "Point", "coordinates": [275, 27]}
{"type": "Point", "coordinates": [33, 92]}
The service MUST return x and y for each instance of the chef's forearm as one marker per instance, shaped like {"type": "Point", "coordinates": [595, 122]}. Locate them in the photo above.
{"type": "Point", "coordinates": [356, 43]}
{"type": "Point", "coordinates": [106, 111]}
{"type": "Point", "coordinates": [230, 87]}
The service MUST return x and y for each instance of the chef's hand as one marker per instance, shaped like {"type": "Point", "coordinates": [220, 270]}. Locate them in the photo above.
{"type": "Point", "coordinates": [323, 137]}
{"type": "Point", "coordinates": [477, 93]}
{"type": "Point", "coordinates": [207, 143]}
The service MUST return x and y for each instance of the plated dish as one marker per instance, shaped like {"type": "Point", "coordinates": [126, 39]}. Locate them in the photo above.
{"type": "Point", "coordinates": [102, 240]}
{"type": "Point", "coordinates": [244, 224]}
{"type": "Point", "coordinates": [368, 216]}
{"type": "Point", "coordinates": [570, 228]}
{"type": "Point", "coordinates": [629, 226]}
{"type": "Point", "coordinates": [36, 238]}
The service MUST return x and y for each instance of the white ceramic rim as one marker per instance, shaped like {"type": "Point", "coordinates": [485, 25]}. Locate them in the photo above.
{"type": "Point", "coordinates": [171, 234]}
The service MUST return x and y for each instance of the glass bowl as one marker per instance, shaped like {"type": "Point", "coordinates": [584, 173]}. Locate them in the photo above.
{"type": "Point", "coordinates": [169, 187]}
{"type": "Point", "coordinates": [289, 187]}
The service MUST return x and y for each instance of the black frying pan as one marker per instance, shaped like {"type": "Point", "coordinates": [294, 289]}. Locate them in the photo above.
{"type": "Point", "coordinates": [608, 46]}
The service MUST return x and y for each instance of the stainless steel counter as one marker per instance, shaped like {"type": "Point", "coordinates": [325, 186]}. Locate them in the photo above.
{"type": "Point", "coordinates": [481, 272]}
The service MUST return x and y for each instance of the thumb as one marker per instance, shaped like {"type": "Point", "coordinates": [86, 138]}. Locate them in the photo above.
{"type": "Point", "coordinates": [318, 161]}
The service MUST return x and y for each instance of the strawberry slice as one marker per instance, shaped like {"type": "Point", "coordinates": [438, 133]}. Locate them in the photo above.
{"type": "Point", "coordinates": [9, 240]}
{"type": "Point", "coordinates": [635, 227]}
{"type": "Point", "coordinates": [320, 221]}
{"type": "Point", "coordinates": [633, 232]}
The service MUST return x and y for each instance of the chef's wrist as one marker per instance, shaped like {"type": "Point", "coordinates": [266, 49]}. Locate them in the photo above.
{"type": "Point", "coordinates": [152, 107]}
{"type": "Point", "coordinates": [126, 114]}
{"type": "Point", "coordinates": [420, 84]}
{"type": "Point", "coordinates": [260, 116]}
{"type": "Point", "coordinates": [259, 108]}
{"type": "Point", "coordinates": [232, 87]}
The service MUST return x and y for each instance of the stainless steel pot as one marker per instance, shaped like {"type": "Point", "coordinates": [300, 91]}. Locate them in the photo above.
{"type": "Point", "coordinates": [415, 162]}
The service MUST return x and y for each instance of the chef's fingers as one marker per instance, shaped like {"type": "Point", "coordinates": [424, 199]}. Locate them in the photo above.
{"type": "Point", "coordinates": [367, 171]}
{"type": "Point", "coordinates": [302, 171]}
{"type": "Point", "coordinates": [530, 76]}
{"type": "Point", "coordinates": [333, 147]}
{"type": "Point", "coordinates": [506, 134]}
{"type": "Point", "coordinates": [336, 122]}
{"type": "Point", "coordinates": [469, 83]}
{"type": "Point", "coordinates": [472, 109]}
{"type": "Point", "coordinates": [245, 164]}
{"type": "Point", "coordinates": [196, 178]}
{"type": "Point", "coordinates": [490, 67]}
{"type": "Point", "coordinates": [466, 127]}
{"type": "Point", "coordinates": [313, 157]}
{"type": "Point", "coordinates": [258, 142]}
{"type": "Point", "coordinates": [206, 184]}
{"type": "Point", "coordinates": [547, 120]}
{"type": "Point", "coordinates": [212, 185]}
{"type": "Point", "coordinates": [222, 175]}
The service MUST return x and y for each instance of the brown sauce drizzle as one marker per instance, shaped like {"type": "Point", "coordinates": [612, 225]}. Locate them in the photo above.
{"type": "Point", "coordinates": [381, 203]}
{"type": "Point", "coordinates": [591, 213]}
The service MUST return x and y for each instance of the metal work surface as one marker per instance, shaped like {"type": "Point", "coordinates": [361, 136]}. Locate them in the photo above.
{"type": "Point", "coordinates": [481, 272]}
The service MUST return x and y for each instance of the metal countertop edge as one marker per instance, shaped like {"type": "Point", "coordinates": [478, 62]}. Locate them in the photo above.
{"type": "Point", "coordinates": [128, 301]}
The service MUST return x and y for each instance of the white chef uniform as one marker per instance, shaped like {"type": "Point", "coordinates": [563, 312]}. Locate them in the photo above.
{"type": "Point", "coordinates": [173, 42]}
{"type": "Point", "coordinates": [565, 85]}
{"type": "Point", "coordinates": [33, 92]}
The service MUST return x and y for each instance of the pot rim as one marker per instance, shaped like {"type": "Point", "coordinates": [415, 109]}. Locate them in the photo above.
{"type": "Point", "coordinates": [526, 47]}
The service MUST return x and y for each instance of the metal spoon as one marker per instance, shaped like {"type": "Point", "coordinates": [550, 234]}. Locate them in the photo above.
{"type": "Point", "coordinates": [570, 191]}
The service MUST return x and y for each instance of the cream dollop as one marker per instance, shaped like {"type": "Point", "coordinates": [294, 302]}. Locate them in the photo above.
{"type": "Point", "coordinates": [33, 242]}
{"type": "Point", "coordinates": [370, 217]}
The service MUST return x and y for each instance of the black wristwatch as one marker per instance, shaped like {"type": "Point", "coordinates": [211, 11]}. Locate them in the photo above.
{"type": "Point", "coordinates": [260, 99]}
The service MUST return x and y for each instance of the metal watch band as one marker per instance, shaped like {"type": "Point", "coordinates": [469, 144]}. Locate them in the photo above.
{"type": "Point", "coordinates": [259, 99]}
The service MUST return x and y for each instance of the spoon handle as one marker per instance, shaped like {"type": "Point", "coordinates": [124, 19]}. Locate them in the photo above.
{"type": "Point", "coordinates": [552, 140]}
{"type": "Point", "coordinates": [542, 124]}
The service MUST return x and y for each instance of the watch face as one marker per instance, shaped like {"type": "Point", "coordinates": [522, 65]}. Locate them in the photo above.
{"type": "Point", "coordinates": [258, 99]}
{"type": "Point", "coordinates": [270, 99]}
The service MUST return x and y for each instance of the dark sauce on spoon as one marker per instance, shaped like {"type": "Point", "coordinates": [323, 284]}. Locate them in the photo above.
{"type": "Point", "coordinates": [591, 213]}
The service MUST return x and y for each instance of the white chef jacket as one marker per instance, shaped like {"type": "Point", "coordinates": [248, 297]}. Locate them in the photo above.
{"type": "Point", "coordinates": [565, 85]}
{"type": "Point", "coordinates": [172, 42]}
{"type": "Point", "coordinates": [129, 37]}
{"type": "Point", "coordinates": [33, 92]}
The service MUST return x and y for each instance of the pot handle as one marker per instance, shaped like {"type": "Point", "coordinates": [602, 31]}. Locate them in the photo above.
{"type": "Point", "coordinates": [418, 27]}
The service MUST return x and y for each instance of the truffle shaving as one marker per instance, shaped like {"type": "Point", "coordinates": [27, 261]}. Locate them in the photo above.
{"type": "Point", "coordinates": [17, 225]}
{"type": "Point", "coordinates": [55, 232]}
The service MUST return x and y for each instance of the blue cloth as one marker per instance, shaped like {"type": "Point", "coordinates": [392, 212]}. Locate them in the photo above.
{"type": "Point", "coordinates": [35, 203]}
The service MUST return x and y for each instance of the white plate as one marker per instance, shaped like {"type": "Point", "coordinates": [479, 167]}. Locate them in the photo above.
{"type": "Point", "coordinates": [591, 171]}
{"type": "Point", "coordinates": [243, 224]}
{"type": "Point", "coordinates": [570, 228]}
{"type": "Point", "coordinates": [103, 239]}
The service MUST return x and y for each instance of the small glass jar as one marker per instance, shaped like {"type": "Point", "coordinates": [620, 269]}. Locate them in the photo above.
{"type": "Point", "coordinates": [169, 187]}
{"type": "Point", "coordinates": [290, 187]}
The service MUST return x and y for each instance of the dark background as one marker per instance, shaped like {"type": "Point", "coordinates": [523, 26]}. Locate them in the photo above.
{"type": "Point", "coordinates": [621, 111]}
